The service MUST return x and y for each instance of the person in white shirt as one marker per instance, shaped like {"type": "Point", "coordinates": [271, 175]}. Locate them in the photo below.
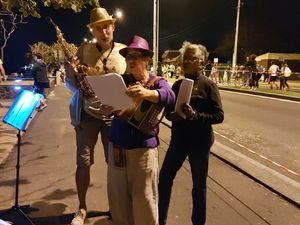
{"type": "Point", "coordinates": [273, 71]}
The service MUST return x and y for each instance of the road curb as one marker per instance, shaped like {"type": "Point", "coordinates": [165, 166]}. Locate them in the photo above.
{"type": "Point", "coordinates": [292, 98]}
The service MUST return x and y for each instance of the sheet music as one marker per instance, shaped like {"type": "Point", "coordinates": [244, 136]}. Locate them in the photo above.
{"type": "Point", "coordinates": [2, 222]}
{"type": "Point", "coordinates": [184, 95]}
{"type": "Point", "coordinates": [111, 90]}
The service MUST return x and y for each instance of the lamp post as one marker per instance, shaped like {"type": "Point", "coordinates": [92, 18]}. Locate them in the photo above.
{"type": "Point", "coordinates": [234, 57]}
{"type": "Point", "coordinates": [155, 34]}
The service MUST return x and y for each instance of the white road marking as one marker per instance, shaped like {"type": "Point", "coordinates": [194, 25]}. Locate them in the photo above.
{"type": "Point", "coordinates": [260, 155]}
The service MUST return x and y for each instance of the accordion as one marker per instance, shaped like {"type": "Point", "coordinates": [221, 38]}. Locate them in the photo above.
{"type": "Point", "coordinates": [145, 116]}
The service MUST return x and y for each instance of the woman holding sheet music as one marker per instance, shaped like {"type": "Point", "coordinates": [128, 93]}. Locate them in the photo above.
{"type": "Point", "coordinates": [133, 154]}
{"type": "Point", "coordinates": [192, 137]}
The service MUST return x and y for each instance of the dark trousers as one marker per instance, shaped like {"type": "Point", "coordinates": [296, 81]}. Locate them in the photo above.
{"type": "Point", "coordinates": [281, 82]}
{"type": "Point", "coordinates": [285, 84]}
{"type": "Point", "coordinates": [256, 80]}
{"type": "Point", "coordinates": [198, 159]}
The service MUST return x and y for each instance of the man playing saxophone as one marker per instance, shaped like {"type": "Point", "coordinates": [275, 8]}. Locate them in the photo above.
{"type": "Point", "coordinates": [104, 57]}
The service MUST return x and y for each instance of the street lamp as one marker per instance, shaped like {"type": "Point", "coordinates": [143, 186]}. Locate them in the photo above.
{"type": "Point", "coordinates": [155, 34]}
{"type": "Point", "coordinates": [119, 14]}
{"type": "Point", "coordinates": [234, 57]}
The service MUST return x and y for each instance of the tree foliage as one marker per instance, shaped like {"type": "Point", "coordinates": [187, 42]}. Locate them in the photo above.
{"type": "Point", "coordinates": [30, 7]}
{"type": "Point", "coordinates": [52, 54]}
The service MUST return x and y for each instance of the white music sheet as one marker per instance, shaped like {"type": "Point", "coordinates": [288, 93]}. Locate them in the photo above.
{"type": "Point", "coordinates": [2, 222]}
{"type": "Point", "coordinates": [184, 95]}
{"type": "Point", "coordinates": [111, 90]}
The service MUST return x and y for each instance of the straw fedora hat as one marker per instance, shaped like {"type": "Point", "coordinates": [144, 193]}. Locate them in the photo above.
{"type": "Point", "coordinates": [99, 15]}
{"type": "Point", "coordinates": [138, 43]}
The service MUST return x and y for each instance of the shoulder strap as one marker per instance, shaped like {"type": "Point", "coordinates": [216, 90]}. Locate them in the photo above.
{"type": "Point", "coordinates": [151, 83]}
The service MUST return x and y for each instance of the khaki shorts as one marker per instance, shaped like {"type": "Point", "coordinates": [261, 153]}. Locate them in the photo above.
{"type": "Point", "coordinates": [86, 138]}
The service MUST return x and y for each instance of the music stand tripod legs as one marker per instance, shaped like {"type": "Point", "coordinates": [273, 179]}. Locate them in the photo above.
{"type": "Point", "coordinates": [18, 116]}
{"type": "Point", "coordinates": [15, 214]}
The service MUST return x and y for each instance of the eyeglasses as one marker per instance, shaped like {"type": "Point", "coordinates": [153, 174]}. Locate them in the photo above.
{"type": "Point", "coordinates": [193, 60]}
{"type": "Point", "coordinates": [134, 56]}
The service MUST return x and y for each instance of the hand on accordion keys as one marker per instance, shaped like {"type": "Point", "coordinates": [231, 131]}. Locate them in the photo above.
{"type": "Point", "coordinates": [138, 92]}
{"type": "Point", "coordinates": [144, 115]}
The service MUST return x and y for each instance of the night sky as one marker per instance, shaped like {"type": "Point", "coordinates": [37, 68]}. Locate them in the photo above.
{"type": "Point", "coordinates": [265, 26]}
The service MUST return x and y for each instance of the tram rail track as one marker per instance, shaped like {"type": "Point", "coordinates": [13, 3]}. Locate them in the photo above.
{"type": "Point", "coordinates": [213, 183]}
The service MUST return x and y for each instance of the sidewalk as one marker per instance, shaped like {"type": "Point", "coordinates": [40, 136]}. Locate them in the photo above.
{"type": "Point", "coordinates": [7, 94]}
{"type": "Point", "coordinates": [47, 180]}
{"type": "Point", "coordinates": [7, 133]}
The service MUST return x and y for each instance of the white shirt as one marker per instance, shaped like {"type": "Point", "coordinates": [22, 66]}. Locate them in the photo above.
{"type": "Point", "coordinates": [273, 70]}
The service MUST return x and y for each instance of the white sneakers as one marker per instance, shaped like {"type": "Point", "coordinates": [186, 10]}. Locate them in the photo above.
{"type": "Point", "coordinates": [79, 217]}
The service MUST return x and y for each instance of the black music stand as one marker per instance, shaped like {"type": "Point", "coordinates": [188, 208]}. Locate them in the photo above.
{"type": "Point", "coordinates": [18, 116]}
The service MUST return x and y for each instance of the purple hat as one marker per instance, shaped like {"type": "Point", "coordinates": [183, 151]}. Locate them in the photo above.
{"type": "Point", "coordinates": [138, 43]}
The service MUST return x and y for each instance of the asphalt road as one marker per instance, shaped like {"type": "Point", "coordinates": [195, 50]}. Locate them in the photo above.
{"type": "Point", "coordinates": [270, 127]}
{"type": "Point", "coordinates": [229, 194]}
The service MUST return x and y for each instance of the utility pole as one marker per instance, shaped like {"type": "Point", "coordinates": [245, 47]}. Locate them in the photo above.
{"type": "Point", "coordinates": [155, 34]}
{"type": "Point", "coordinates": [234, 57]}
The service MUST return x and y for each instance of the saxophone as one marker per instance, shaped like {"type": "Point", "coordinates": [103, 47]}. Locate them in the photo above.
{"type": "Point", "coordinates": [92, 104]}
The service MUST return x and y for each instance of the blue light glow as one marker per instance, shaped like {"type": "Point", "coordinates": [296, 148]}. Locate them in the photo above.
{"type": "Point", "coordinates": [17, 87]}
{"type": "Point", "coordinates": [21, 109]}
{"type": "Point", "coordinates": [18, 80]}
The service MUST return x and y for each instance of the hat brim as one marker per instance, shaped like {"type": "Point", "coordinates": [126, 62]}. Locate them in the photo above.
{"type": "Point", "coordinates": [145, 52]}
{"type": "Point", "coordinates": [101, 21]}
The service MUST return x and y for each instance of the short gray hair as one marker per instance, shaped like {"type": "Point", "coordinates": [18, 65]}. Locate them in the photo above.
{"type": "Point", "coordinates": [188, 45]}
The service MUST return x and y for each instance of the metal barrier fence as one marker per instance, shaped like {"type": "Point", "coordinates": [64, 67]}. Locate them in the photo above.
{"type": "Point", "coordinates": [242, 77]}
